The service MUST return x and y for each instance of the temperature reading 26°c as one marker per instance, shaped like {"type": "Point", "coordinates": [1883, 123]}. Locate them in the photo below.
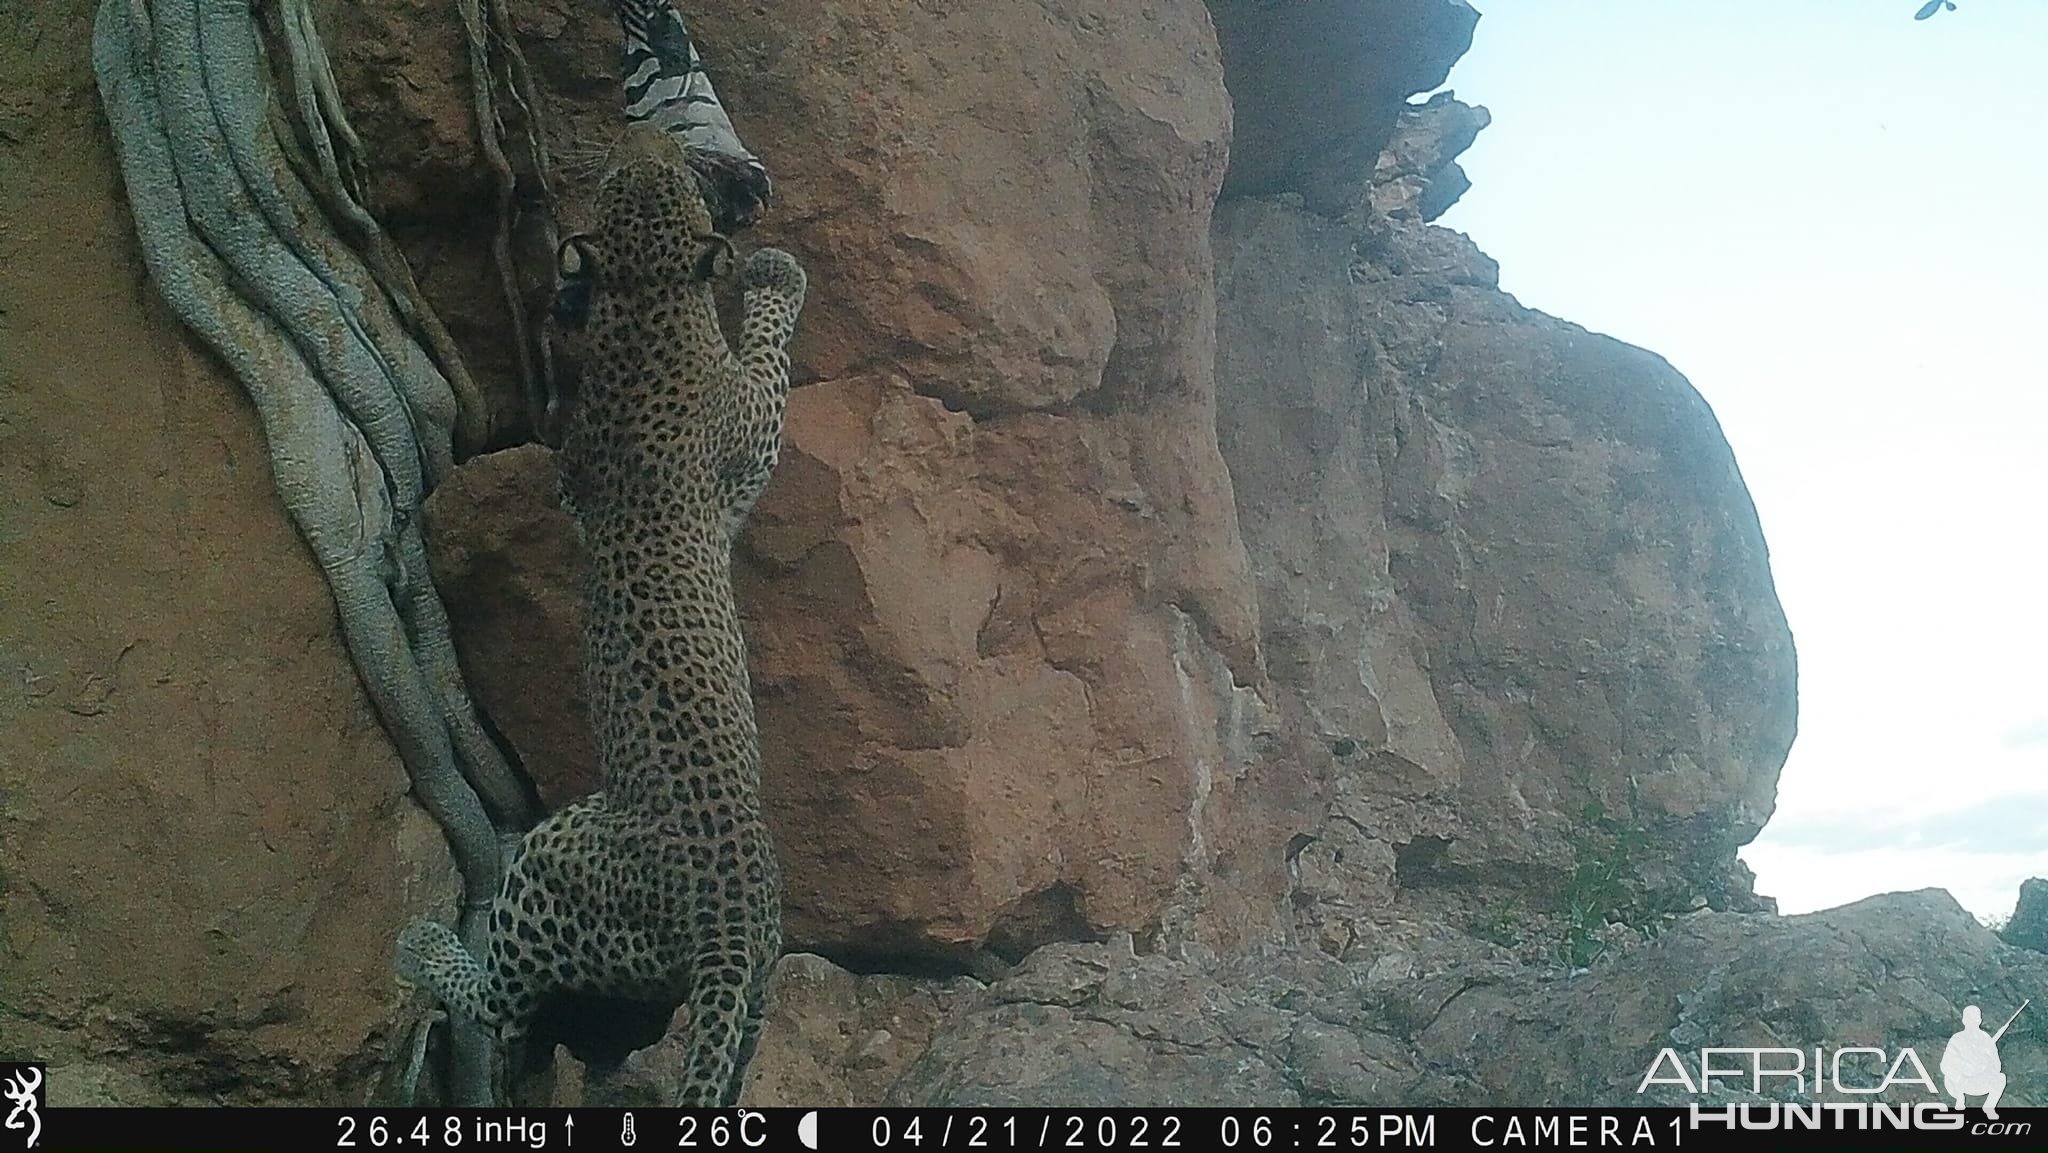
{"type": "Point", "coordinates": [749, 1129]}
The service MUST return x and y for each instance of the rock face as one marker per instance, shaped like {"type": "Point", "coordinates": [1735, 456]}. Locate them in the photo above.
{"type": "Point", "coordinates": [1517, 667]}
{"type": "Point", "coordinates": [1095, 1025]}
{"type": "Point", "coordinates": [505, 558]}
{"type": "Point", "coordinates": [1512, 614]}
{"type": "Point", "coordinates": [830, 1039]}
{"type": "Point", "coordinates": [2028, 927]}
{"type": "Point", "coordinates": [1511, 583]}
{"type": "Point", "coordinates": [1318, 85]}
{"type": "Point", "coordinates": [204, 832]}
{"type": "Point", "coordinates": [1003, 634]}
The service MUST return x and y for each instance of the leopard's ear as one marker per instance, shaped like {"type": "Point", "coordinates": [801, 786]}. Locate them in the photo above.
{"type": "Point", "coordinates": [716, 259]}
{"type": "Point", "coordinates": [563, 333]}
{"type": "Point", "coordinates": [576, 271]}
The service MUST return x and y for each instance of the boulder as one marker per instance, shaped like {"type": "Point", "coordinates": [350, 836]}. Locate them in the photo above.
{"type": "Point", "coordinates": [1095, 1024]}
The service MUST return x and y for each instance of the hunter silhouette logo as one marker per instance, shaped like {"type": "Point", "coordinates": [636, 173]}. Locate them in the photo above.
{"type": "Point", "coordinates": [1970, 1063]}
{"type": "Point", "coordinates": [23, 1086]}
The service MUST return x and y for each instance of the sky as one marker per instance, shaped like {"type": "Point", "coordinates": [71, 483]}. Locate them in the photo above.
{"type": "Point", "coordinates": [1833, 220]}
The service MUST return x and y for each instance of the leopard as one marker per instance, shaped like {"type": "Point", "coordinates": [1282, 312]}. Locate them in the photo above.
{"type": "Point", "coordinates": [663, 887]}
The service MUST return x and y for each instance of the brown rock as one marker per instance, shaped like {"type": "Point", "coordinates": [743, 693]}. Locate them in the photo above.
{"type": "Point", "coordinates": [506, 561]}
{"type": "Point", "coordinates": [1892, 971]}
{"type": "Point", "coordinates": [1006, 206]}
{"type": "Point", "coordinates": [830, 1039]}
{"type": "Point", "coordinates": [996, 599]}
{"type": "Point", "coordinates": [1417, 177]}
{"type": "Point", "coordinates": [205, 839]}
{"type": "Point", "coordinates": [998, 602]}
{"type": "Point", "coordinates": [834, 1038]}
{"type": "Point", "coordinates": [954, 757]}
{"type": "Point", "coordinates": [971, 640]}
{"type": "Point", "coordinates": [1316, 86]}
{"type": "Point", "coordinates": [1088, 1024]}
{"type": "Point", "coordinates": [1512, 589]}
{"type": "Point", "coordinates": [2028, 926]}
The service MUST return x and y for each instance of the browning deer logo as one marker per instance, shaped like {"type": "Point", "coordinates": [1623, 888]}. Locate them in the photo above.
{"type": "Point", "coordinates": [22, 1085]}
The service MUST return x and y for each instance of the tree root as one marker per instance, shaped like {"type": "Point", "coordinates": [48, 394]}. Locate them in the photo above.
{"type": "Point", "coordinates": [340, 186]}
{"type": "Point", "coordinates": [359, 417]}
{"type": "Point", "coordinates": [490, 130]}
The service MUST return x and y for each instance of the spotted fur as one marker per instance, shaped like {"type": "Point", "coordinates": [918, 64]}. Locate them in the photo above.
{"type": "Point", "coordinates": [664, 887]}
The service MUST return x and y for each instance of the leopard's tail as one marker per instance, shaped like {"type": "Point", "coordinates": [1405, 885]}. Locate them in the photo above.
{"type": "Point", "coordinates": [431, 956]}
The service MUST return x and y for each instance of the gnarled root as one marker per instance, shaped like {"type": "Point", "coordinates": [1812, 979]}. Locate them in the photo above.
{"type": "Point", "coordinates": [358, 416]}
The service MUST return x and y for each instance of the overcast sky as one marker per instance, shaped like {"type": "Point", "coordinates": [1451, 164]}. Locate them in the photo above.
{"type": "Point", "coordinates": [1834, 220]}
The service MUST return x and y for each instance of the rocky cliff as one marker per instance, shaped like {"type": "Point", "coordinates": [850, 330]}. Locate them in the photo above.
{"type": "Point", "coordinates": [1190, 581]}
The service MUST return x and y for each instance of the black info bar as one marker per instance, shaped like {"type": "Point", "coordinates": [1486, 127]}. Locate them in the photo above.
{"type": "Point", "coordinates": [1811, 1125]}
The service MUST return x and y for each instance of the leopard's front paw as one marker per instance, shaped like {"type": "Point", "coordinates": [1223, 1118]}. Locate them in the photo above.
{"type": "Point", "coordinates": [774, 270]}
